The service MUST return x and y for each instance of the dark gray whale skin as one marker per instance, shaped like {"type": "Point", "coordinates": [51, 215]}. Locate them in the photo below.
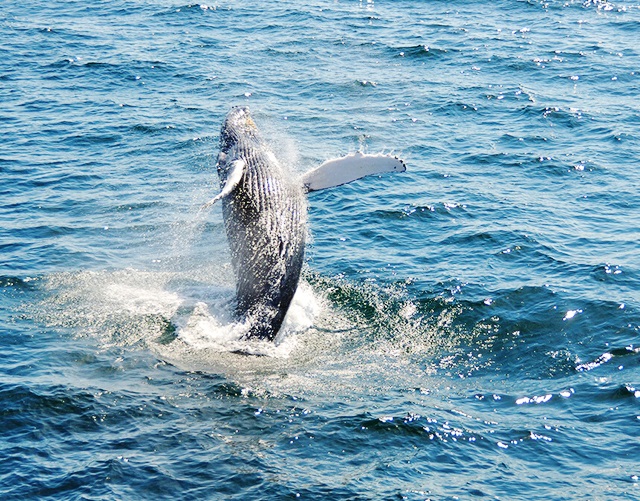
{"type": "Point", "coordinates": [265, 220]}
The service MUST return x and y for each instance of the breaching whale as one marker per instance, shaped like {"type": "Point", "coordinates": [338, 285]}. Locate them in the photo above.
{"type": "Point", "coordinates": [265, 216]}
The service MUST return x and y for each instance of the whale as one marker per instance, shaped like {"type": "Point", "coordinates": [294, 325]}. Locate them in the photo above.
{"type": "Point", "coordinates": [264, 208]}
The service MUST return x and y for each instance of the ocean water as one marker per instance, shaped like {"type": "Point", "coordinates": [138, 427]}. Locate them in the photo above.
{"type": "Point", "coordinates": [468, 329]}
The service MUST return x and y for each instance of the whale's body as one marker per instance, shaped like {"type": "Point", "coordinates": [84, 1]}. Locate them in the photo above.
{"type": "Point", "coordinates": [265, 215]}
{"type": "Point", "coordinates": [265, 220]}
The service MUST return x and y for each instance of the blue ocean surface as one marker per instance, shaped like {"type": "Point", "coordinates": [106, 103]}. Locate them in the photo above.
{"type": "Point", "coordinates": [468, 329]}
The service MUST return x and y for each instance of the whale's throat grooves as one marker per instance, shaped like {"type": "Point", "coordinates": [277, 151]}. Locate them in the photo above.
{"type": "Point", "coordinates": [265, 222]}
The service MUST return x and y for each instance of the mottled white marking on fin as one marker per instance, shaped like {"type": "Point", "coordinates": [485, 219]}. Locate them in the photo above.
{"type": "Point", "coordinates": [338, 171]}
{"type": "Point", "coordinates": [233, 178]}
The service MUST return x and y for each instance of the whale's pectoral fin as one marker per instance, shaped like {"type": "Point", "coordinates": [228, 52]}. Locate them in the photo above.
{"type": "Point", "coordinates": [354, 166]}
{"type": "Point", "coordinates": [234, 175]}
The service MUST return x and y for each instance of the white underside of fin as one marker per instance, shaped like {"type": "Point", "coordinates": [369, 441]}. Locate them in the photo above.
{"type": "Point", "coordinates": [338, 171]}
{"type": "Point", "coordinates": [233, 178]}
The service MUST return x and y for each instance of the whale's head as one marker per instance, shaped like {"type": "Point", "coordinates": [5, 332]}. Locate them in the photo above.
{"type": "Point", "coordinates": [237, 128]}
{"type": "Point", "coordinates": [238, 135]}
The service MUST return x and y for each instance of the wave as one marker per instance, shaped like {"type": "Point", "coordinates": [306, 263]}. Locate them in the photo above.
{"type": "Point", "coordinates": [616, 355]}
{"type": "Point", "coordinates": [194, 9]}
{"type": "Point", "coordinates": [18, 283]}
{"type": "Point", "coordinates": [422, 52]}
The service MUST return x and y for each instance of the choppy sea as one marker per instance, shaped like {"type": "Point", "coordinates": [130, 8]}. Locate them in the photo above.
{"type": "Point", "coordinates": [468, 329]}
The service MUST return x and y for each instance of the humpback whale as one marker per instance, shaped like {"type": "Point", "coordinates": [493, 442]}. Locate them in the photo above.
{"type": "Point", "coordinates": [265, 216]}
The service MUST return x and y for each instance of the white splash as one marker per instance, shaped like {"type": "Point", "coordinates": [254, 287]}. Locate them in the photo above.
{"type": "Point", "coordinates": [130, 307]}
{"type": "Point", "coordinates": [212, 328]}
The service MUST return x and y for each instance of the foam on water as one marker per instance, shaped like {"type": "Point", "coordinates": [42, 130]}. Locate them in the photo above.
{"type": "Point", "coordinates": [210, 328]}
{"type": "Point", "coordinates": [164, 312]}
{"type": "Point", "coordinates": [334, 331]}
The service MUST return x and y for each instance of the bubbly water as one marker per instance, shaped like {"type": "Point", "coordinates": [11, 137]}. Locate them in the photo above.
{"type": "Point", "coordinates": [467, 329]}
